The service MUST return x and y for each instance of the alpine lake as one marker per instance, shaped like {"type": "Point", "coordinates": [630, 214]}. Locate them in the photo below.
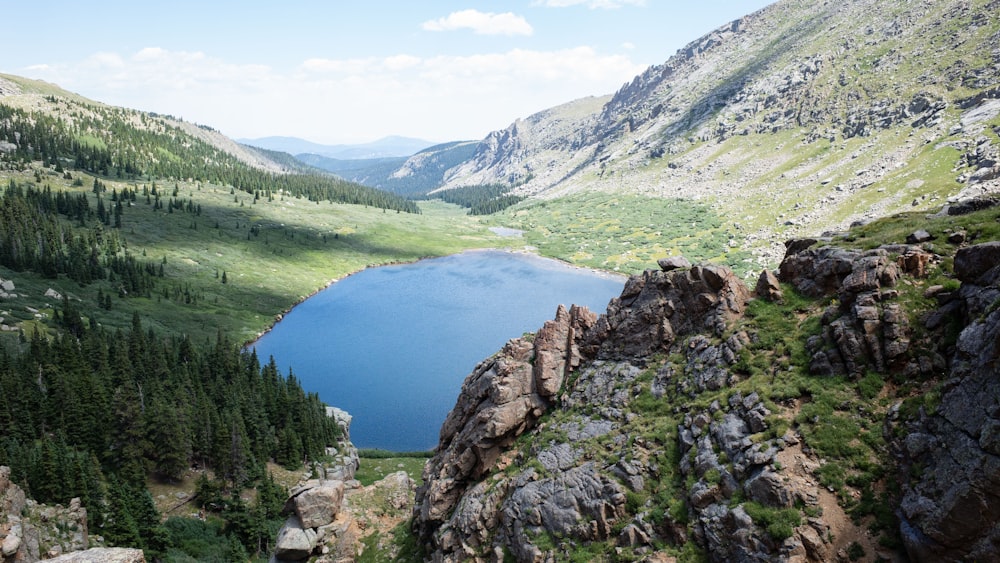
{"type": "Point", "coordinates": [392, 345]}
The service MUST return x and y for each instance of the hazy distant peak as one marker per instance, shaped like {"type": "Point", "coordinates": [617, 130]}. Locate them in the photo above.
{"type": "Point", "coordinates": [392, 146]}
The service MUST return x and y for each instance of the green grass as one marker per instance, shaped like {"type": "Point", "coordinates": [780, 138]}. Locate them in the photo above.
{"type": "Point", "coordinates": [779, 522]}
{"type": "Point", "coordinates": [405, 545]}
{"type": "Point", "coordinates": [274, 254]}
{"type": "Point", "coordinates": [981, 226]}
{"type": "Point", "coordinates": [620, 232]}
{"type": "Point", "coordinates": [375, 469]}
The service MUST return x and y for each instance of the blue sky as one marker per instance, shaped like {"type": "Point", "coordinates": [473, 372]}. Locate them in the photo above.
{"type": "Point", "coordinates": [348, 72]}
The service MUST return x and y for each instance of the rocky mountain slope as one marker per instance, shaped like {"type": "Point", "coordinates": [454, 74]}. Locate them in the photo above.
{"type": "Point", "coordinates": [800, 118]}
{"type": "Point", "coordinates": [845, 408]}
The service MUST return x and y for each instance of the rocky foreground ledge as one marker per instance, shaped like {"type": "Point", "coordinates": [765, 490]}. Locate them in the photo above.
{"type": "Point", "coordinates": [330, 514]}
{"type": "Point", "coordinates": [545, 451]}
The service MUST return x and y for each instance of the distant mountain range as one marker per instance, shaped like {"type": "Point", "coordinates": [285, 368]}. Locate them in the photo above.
{"type": "Point", "coordinates": [413, 175]}
{"type": "Point", "coordinates": [388, 147]}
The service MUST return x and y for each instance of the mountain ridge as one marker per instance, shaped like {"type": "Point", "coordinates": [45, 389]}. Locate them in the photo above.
{"type": "Point", "coordinates": [387, 147]}
{"type": "Point", "coordinates": [791, 121]}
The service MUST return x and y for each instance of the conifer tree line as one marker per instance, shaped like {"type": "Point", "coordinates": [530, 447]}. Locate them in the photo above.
{"type": "Point", "coordinates": [480, 199]}
{"type": "Point", "coordinates": [89, 413]}
{"type": "Point", "coordinates": [90, 416]}
{"type": "Point", "coordinates": [92, 413]}
{"type": "Point", "coordinates": [126, 144]}
{"type": "Point", "coordinates": [33, 237]}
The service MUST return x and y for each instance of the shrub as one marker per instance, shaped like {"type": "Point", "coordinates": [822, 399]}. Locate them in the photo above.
{"type": "Point", "coordinates": [855, 551]}
{"type": "Point", "coordinates": [780, 523]}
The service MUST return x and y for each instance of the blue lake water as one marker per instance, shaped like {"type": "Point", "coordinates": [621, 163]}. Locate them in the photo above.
{"type": "Point", "coordinates": [392, 345]}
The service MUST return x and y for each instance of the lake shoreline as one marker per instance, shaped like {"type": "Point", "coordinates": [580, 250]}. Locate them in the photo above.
{"type": "Point", "coordinates": [393, 345]}
{"type": "Point", "coordinates": [525, 251]}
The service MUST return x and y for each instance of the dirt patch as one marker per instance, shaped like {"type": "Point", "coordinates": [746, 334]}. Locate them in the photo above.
{"type": "Point", "coordinates": [834, 526]}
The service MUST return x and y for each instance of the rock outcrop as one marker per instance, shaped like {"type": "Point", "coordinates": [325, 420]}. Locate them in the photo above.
{"type": "Point", "coordinates": [951, 505]}
{"type": "Point", "coordinates": [312, 507]}
{"type": "Point", "coordinates": [30, 531]}
{"type": "Point", "coordinates": [583, 363]}
{"type": "Point", "coordinates": [637, 428]}
{"type": "Point", "coordinates": [866, 328]}
{"type": "Point", "coordinates": [329, 515]}
{"type": "Point", "coordinates": [504, 397]}
{"type": "Point", "coordinates": [102, 555]}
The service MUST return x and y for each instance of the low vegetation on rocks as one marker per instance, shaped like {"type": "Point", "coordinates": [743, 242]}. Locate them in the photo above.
{"type": "Point", "coordinates": [696, 419]}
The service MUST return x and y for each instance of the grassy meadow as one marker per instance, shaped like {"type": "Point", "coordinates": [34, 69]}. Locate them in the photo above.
{"type": "Point", "coordinates": [231, 263]}
{"type": "Point", "coordinates": [623, 233]}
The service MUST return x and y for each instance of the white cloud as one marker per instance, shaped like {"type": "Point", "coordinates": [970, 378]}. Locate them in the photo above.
{"type": "Point", "coordinates": [105, 60]}
{"type": "Point", "coordinates": [400, 62]}
{"type": "Point", "coordinates": [592, 4]}
{"type": "Point", "coordinates": [439, 98]}
{"type": "Point", "coordinates": [482, 23]}
{"type": "Point", "coordinates": [338, 65]}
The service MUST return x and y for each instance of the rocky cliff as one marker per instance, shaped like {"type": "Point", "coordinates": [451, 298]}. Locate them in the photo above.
{"type": "Point", "coordinates": [949, 456]}
{"type": "Point", "coordinates": [845, 409]}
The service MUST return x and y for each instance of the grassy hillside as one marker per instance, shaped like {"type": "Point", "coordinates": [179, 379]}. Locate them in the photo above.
{"type": "Point", "coordinates": [272, 253]}
{"type": "Point", "coordinates": [232, 236]}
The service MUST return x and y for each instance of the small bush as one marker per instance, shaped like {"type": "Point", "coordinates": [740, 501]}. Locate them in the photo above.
{"type": "Point", "coordinates": [780, 523]}
{"type": "Point", "coordinates": [855, 551]}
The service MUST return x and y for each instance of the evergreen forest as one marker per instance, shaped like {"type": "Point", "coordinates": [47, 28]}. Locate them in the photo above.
{"type": "Point", "coordinates": [100, 412]}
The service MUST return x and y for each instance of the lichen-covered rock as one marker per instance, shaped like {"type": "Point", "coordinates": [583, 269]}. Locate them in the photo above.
{"type": "Point", "coordinates": [26, 526]}
{"type": "Point", "coordinates": [580, 364]}
{"type": "Point", "coordinates": [655, 307]}
{"type": "Point", "coordinates": [580, 502]}
{"type": "Point", "coordinates": [974, 263]}
{"type": "Point", "coordinates": [867, 329]}
{"type": "Point", "coordinates": [768, 287]}
{"type": "Point", "coordinates": [499, 401]}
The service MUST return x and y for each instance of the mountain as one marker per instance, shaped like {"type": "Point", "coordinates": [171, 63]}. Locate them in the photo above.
{"type": "Point", "coordinates": [843, 408]}
{"type": "Point", "coordinates": [794, 120]}
{"type": "Point", "coordinates": [417, 175]}
{"type": "Point", "coordinates": [392, 146]}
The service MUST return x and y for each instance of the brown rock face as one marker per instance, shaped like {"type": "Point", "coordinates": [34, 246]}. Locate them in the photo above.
{"type": "Point", "coordinates": [457, 514]}
{"type": "Point", "coordinates": [768, 287]}
{"type": "Point", "coordinates": [656, 306]}
{"type": "Point", "coordinates": [503, 397]}
{"type": "Point", "coordinates": [867, 328]}
{"type": "Point", "coordinates": [556, 350]}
